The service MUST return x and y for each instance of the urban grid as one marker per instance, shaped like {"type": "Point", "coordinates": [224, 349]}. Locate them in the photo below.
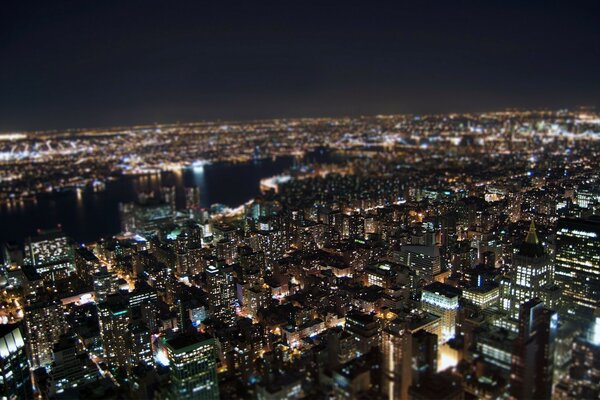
{"type": "Point", "coordinates": [300, 200]}
{"type": "Point", "coordinates": [425, 257]}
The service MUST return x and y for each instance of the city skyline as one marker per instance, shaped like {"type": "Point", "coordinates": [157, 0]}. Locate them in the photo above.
{"type": "Point", "coordinates": [300, 200]}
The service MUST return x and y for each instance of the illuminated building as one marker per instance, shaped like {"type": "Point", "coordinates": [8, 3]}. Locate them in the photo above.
{"type": "Point", "coordinates": [358, 376]}
{"type": "Point", "coordinates": [105, 283]}
{"type": "Point", "coordinates": [44, 322]}
{"type": "Point", "coordinates": [294, 334]}
{"type": "Point", "coordinates": [86, 263]}
{"type": "Point", "coordinates": [577, 264]}
{"type": "Point", "coordinates": [143, 304]}
{"type": "Point", "coordinates": [144, 215]}
{"type": "Point", "coordinates": [51, 254]}
{"type": "Point", "coordinates": [533, 352]}
{"type": "Point", "coordinates": [495, 346]}
{"type": "Point", "coordinates": [140, 349]}
{"type": "Point", "coordinates": [484, 296]}
{"type": "Point", "coordinates": [585, 197]}
{"type": "Point", "coordinates": [442, 300]}
{"type": "Point", "coordinates": [365, 330]}
{"type": "Point", "coordinates": [424, 260]}
{"type": "Point", "coordinates": [387, 275]}
{"type": "Point", "coordinates": [71, 368]}
{"type": "Point", "coordinates": [15, 378]}
{"type": "Point", "coordinates": [192, 365]}
{"type": "Point", "coordinates": [221, 293]}
{"type": "Point", "coordinates": [113, 317]}
{"type": "Point", "coordinates": [409, 354]}
{"type": "Point", "coordinates": [531, 275]}
{"type": "Point", "coordinates": [581, 380]}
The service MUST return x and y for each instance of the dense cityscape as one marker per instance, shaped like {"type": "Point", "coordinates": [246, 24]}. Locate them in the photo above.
{"type": "Point", "coordinates": [422, 257]}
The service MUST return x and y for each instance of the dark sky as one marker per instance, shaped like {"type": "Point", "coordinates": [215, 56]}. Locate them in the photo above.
{"type": "Point", "coordinates": [100, 63]}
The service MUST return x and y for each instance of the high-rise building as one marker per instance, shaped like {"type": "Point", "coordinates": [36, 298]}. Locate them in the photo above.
{"type": "Point", "coordinates": [577, 265]}
{"type": "Point", "coordinates": [442, 300]}
{"type": "Point", "coordinates": [140, 344]}
{"type": "Point", "coordinates": [45, 323]}
{"type": "Point", "coordinates": [143, 304]}
{"type": "Point", "coordinates": [424, 260]}
{"type": "Point", "coordinates": [51, 255]}
{"type": "Point", "coordinates": [531, 275]}
{"type": "Point", "coordinates": [192, 364]}
{"type": "Point", "coordinates": [409, 352]}
{"type": "Point", "coordinates": [15, 379]}
{"type": "Point", "coordinates": [365, 329]}
{"type": "Point", "coordinates": [114, 318]}
{"type": "Point", "coordinates": [533, 352]}
{"type": "Point", "coordinates": [221, 293]}
{"type": "Point", "coordinates": [105, 283]}
{"type": "Point", "coordinates": [581, 379]}
{"type": "Point", "coordinates": [71, 368]}
{"type": "Point", "coordinates": [86, 263]}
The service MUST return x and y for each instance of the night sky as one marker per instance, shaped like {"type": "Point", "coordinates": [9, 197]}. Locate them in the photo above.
{"type": "Point", "coordinates": [101, 63]}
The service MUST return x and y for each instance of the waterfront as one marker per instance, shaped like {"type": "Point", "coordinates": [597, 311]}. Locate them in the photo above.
{"type": "Point", "coordinates": [88, 215]}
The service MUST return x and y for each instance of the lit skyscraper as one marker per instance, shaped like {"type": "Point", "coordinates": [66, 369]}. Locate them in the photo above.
{"type": "Point", "coordinates": [533, 352]}
{"type": "Point", "coordinates": [192, 366]}
{"type": "Point", "coordinates": [221, 293]}
{"type": "Point", "coordinates": [113, 316]}
{"type": "Point", "coordinates": [45, 323]}
{"type": "Point", "coordinates": [578, 267]}
{"type": "Point", "coordinates": [442, 300]}
{"type": "Point", "coordinates": [531, 274]}
{"type": "Point", "coordinates": [15, 379]}
{"type": "Point", "coordinates": [51, 254]}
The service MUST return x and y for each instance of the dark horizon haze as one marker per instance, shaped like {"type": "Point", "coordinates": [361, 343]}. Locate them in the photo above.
{"type": "Point", "coordinates": [74, 64]}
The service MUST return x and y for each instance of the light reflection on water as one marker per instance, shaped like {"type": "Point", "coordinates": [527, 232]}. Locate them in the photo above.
{"type": "Point", "coordinates": [87, 215]}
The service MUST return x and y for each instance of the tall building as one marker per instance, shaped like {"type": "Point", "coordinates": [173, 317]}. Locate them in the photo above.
{"type": "Point", "coordinates": [140, 344]}
{"type": "Point", "coordinates": [365, 329]}
{"type": "Point", "coordinates": [531, 275]}
{"type": "Point", "coordinates": [51, 255]}
{"type": "Point", "coordinates": [114, 318]}
{"type": "Point", "coordinates": [45, 323]}
{"type": "Point", "coordinates": [71, 368]}
{"type": "Point", "coordinates": [581, 380]}
{"type": "Point", "coordinates": [86, 263]}
{"type": "Point", "coordinates": [105, 283]}
{"type": "Point", "coordinates": [533, 352]}
{"type": "Point", "coordinates": [15, 379]}
{"type": "Point", "coordinates": [143, 304]}
{"type": "Point", "coordinates": [442, 300]}
{"type": "Point", "coordinates": [577, 265]}
{"type": "Point", "coordinates": [424, 260]}
{"type": "Point", "coordinates": [409, 352]}
{"type": "Point", "coordinates": [193, 367]}
{"type": "Point", "coordinates": [221, 293]}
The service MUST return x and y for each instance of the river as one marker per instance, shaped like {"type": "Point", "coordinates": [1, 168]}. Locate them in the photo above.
{"type": "Point", "coordinates": [89, 215]}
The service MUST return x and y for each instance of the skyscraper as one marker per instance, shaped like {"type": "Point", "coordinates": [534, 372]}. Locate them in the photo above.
{"type": "Point", "coordinates": [105, 283]}
{"type": "Point", "coordinates": [113, 317]}
{"type": "Point", "coordinates": [192, 366]}
{"type": "Point", "coordinates": [533, 352]}
{"type": "Point", "coordinates": [442, 300]}
{"type": "Point", "coordinates": [409, 352]}
{"type": "Point", "coordinates": [221, 293]}
{"type": "Point", "coordinates": [578, 267]}
{"type": "Point", "coordinates": [51, 254]}
{"type": "Point", "coordinates": [15, 379]}
{"type": "Point", "coordinates": [531, 274]}
{"type": "Point", "coordinates": [71, 368]}
{"type": "Point", "coordinates": [45, 323]}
